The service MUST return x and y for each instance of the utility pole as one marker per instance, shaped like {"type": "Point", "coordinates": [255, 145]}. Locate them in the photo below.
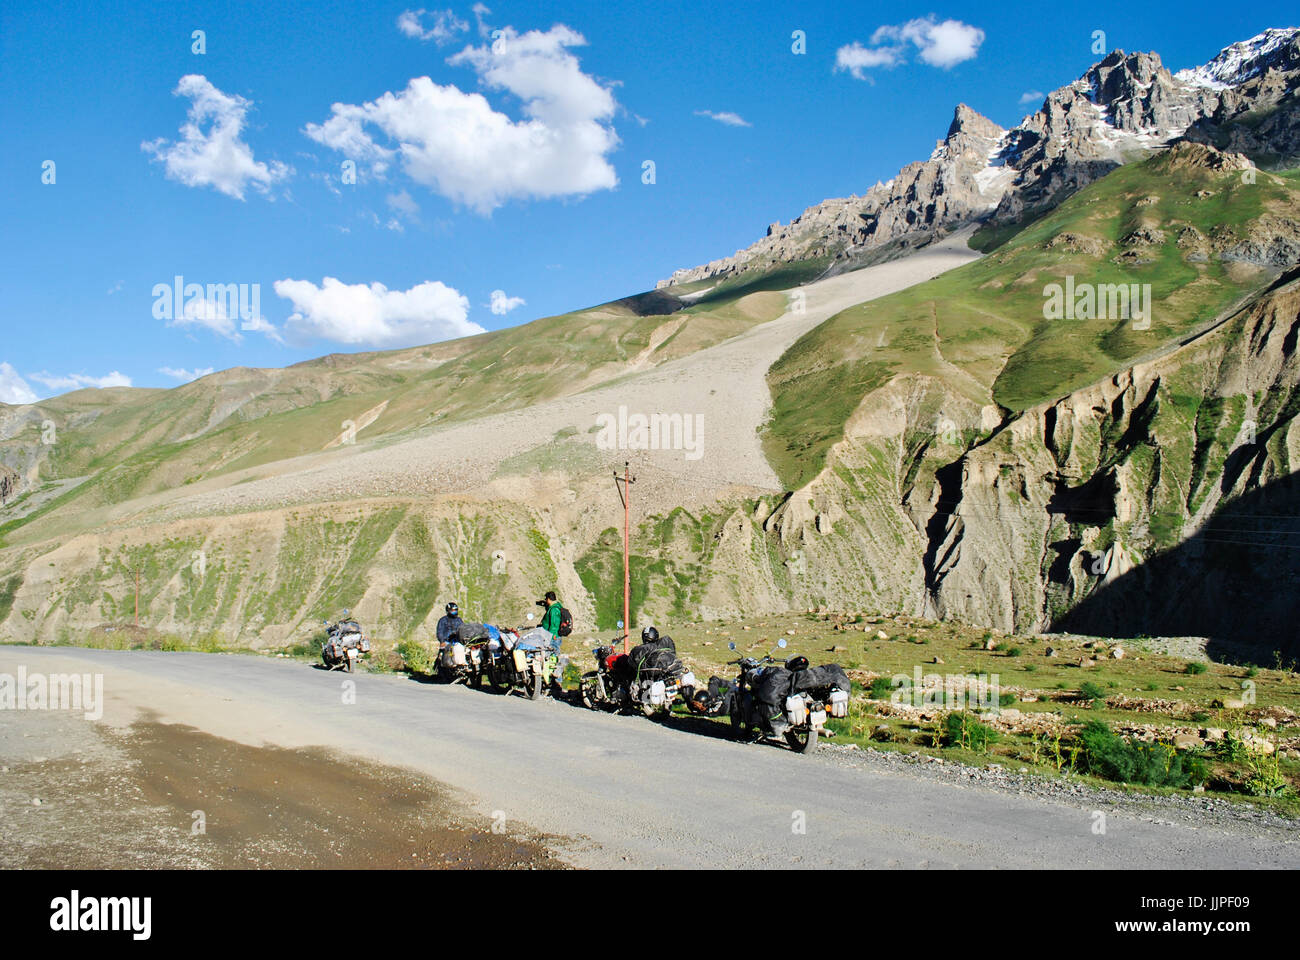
{"type": "Point", "coordinates": [136, 572]}
{"type": "Point", "coordinates": [624, 484]}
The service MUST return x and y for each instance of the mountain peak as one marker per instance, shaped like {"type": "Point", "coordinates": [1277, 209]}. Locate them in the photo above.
{"type": "Point", "coordinates": [966, 120]}
{"type": "Point", "coordinates": [1123, 107]}
{"type": "Point", "coordinates": [1274, 48]}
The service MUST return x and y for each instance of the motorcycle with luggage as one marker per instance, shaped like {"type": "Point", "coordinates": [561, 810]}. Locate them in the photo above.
{"type": "Point", "coordinates": [515, 663]}
{"type": "Point", "coordinates": [464, 657]}
{"type": "Point", "coordinates": [345, 644]}
{"type": "Point", "coordinates": [647, 679]}
{"type": "Point", "coordinates": [788, 701]}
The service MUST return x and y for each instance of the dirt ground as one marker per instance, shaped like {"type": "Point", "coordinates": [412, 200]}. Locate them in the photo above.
{"type": "Point", "coordinates": [131, 798]}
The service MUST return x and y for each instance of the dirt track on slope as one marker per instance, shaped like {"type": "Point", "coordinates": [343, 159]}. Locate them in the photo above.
{"type": "Point", "coordinates": [725, 384]}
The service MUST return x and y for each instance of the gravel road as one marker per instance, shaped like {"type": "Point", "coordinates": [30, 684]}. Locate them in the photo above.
{"type": "Point", "coordinates": [628, 792]}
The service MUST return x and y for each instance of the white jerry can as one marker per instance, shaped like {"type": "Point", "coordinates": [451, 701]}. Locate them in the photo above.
{"type": "Point", "coordinates": [838, 704]}
{"type": "Point", "coordinates": [658, 693]}
{"type": "Point", "coordinates": [796, 708]}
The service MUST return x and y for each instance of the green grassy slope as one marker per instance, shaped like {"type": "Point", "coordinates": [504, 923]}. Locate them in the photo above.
{"type": "Point", "coordinates": [134, 442]}
{"type": "Point", "coordinates": [982, 329]}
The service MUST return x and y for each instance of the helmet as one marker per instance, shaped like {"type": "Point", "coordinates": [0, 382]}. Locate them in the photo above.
{"type": "Point", "coordinates": [453, 610]}
{"type": "Point", "coordinates": [648, 634]}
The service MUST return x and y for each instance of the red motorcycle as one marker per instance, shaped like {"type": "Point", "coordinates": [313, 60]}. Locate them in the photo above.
{"type": "Point", "coordinates": [626, 681]}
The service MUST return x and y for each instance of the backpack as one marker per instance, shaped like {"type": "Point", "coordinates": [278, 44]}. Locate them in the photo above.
{"type": "Point", "coordinates": [566, 622]}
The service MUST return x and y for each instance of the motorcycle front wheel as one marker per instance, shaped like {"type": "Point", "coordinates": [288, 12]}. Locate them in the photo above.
{"type": "Point", "coordinates": [739, 729]}
{"type": "Point", "coordinates": [533, 686]}
{"type": "Point", "coordinates": [587, 691]}
{"type": "Point", "coordinates": [802, 741]}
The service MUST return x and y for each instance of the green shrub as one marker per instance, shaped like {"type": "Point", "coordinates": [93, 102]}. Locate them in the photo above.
{"type": "Point", "coordinates": [1195, 668]}
{"type": "Point", "coordinates": [415, 656]}
{"type": "Point", "coordinates": [1233, 749]}
{"type": "Point", "coordinates": [965, 730]}
{"type": "Point", "coordinates": [1111, 757]}
{"type": "Point", "coordinates": [1006, 699]}
{"type": "Point", "coordinates": [1090, 691]}
{"type": "Point", "coordinates": [881, 688]}
{"type": "Point", "coordinates": [1014, 652]}
{"type": "Point", "coordinates": [1266, 779]}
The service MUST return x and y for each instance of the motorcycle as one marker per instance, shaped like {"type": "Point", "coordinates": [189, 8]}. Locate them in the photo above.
{"type": "Point", "coordinates": [464, 659]}
{"type": "Point", "coordinates": [345, 644]}
{"type": "Point", "coordinates": [805, 701]}
{"type": "Point", "coordinates": [616, 684]}
{"type": "Point", "coordinates": [512, 667]}
{"type": "Point", "coordinates": [463, 662]}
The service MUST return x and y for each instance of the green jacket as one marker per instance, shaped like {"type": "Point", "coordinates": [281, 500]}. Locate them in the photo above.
{"type": "Point", "coordinates": [551, 619]}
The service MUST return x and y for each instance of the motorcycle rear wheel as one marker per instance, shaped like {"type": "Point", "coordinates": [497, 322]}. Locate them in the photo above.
{"type": "Point", "coordinates": [802, 742]}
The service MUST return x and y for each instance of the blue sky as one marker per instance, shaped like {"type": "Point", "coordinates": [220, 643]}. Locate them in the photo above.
{"type": "Point", "coordinates": [516, 168]}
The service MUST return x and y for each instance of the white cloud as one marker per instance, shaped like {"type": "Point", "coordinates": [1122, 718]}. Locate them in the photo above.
{"type": "Point", "coordinates": [260, 324]}
{"type": "Point", "coordinates": [183, 375]}
{"type": "Point", "coordinates": [445, 26]}
{"type": "Point", "coordinates": [855, 58]}
{"type": "Point", "coordinates": [457, 145]}
{"type": "Point", "coordinates": [730, 119]}
{"type": "Point", "coordinates": [13, 388]}
{"type": "Point", "coordinates": [1031, 96]}
{"type": "Point", "coordinates": [405, 208]}
{"type": "Point", "coordinates": [79, 381]}
{"type": "Point", "coordinates": [210, 314]}
{"type": "Point", "coordinates": [501, 304]}
{"type": "Point", "coordinates": [374, 315]}
{"type": "Point", "coordinates": [480, 13]}
{"type": "Point", "coordinates": [216, 156]}
{"type": "Point", "coordinates": [940, 44]}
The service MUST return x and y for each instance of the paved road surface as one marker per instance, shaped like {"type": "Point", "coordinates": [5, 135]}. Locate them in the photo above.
{"type": "Point", "coordinates": [629, 792]}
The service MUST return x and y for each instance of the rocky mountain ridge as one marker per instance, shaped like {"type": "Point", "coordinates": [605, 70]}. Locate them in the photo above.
{"type": "Point", "coordinates": [1121, 109]}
